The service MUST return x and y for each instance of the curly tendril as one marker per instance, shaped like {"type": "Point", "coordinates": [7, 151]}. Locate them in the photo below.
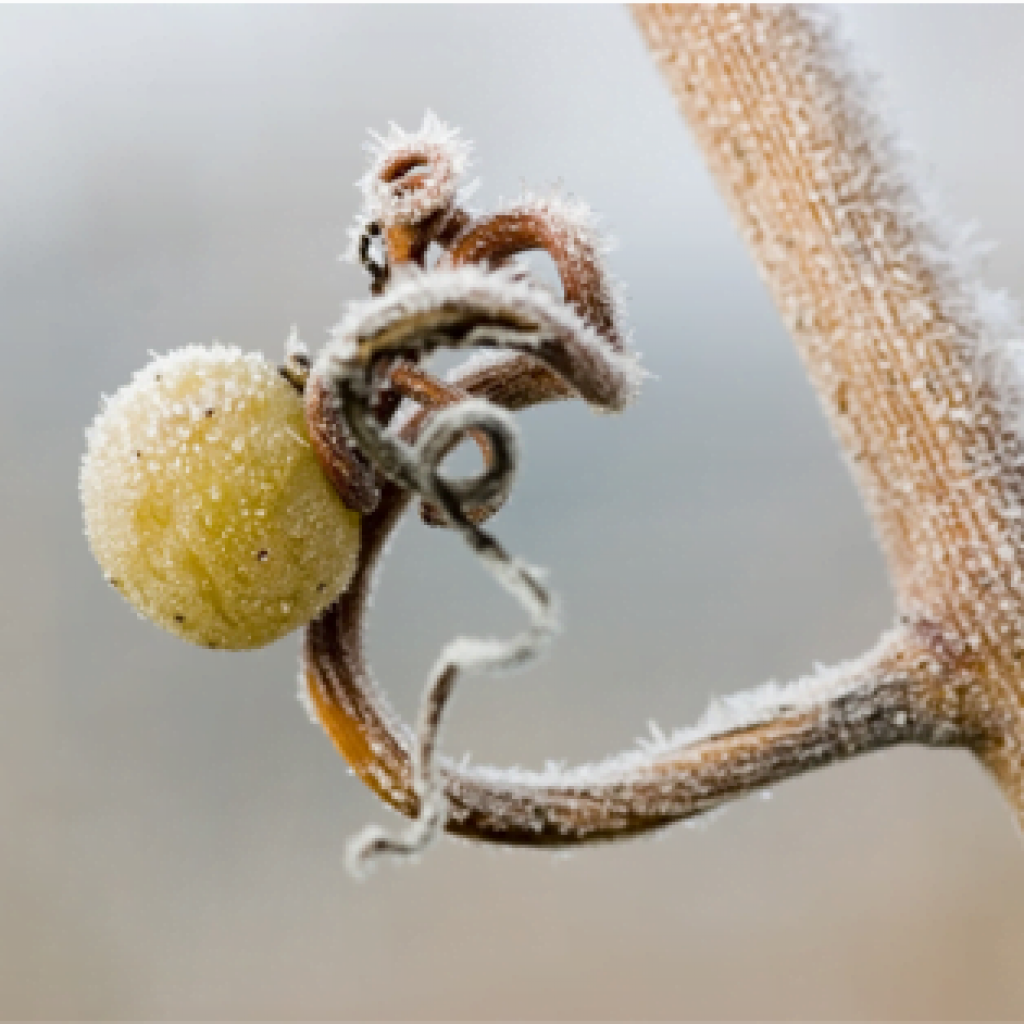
{"type": "Point", "coordinates": [460, 309]}
{"type": "Point", "coordinates": [474, 298]}
{"type": "Point", "coordinates": [542, 349]}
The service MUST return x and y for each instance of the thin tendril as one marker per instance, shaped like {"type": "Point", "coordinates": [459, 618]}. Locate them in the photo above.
{"type": "Point", "coordinates": [417, 468]}
{"type": "Point", "coordinates": [472, 299]}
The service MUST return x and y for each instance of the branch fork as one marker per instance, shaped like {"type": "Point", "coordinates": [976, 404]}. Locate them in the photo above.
{"type": "Point", "coordinates": [923, 398]}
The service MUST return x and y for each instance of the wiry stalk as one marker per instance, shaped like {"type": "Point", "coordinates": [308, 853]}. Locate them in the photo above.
{"type": "Point", "coordinates": [865, 705]}
{"type": "Point", "coordinates": [922, 392]}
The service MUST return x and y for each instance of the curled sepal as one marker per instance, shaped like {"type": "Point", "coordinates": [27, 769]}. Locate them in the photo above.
{"type": "Point", "coordinates": [344, 466]}
{"type": "Point", "coordinates": [414, 174]}
{"type": "Point", "coordinates": [411, 191]}
{"type": "Point", "coordinates": [567, 231]}
{"type": "Point", "coordinates": [468, 308]}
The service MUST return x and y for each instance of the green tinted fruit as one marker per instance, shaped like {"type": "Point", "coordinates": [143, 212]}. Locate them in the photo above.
{"type": "Point", "coordinates": [205, 505]}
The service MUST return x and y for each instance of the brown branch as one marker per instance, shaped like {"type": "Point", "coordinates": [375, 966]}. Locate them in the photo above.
{"type": "Point", "coordinates": [909, 365]}
{"type": "Point", "coordinates": [869, 704]}
{"type": "Point", "coordinates": [873, 703]}
{"type": "Point", "coordinates": [915, 380]}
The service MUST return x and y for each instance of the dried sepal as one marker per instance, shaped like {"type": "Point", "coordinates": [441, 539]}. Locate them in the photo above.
{"type": "Point", "coordinates": [346, 468]}
{"type": "Point", "coordinates": [414, 175]}
{"type": "Point", "coordinates": [411, 194]}
{"type": "Point", "coordinates": [568, 231]}
{"type": "Point", "coordinates": [469, 307]}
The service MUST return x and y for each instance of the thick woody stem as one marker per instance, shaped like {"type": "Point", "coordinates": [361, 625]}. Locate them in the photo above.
{"type": "Point", "coordinates": [899, 340]}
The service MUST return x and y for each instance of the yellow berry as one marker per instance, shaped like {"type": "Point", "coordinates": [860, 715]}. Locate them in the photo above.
{"type": "Point", "coordinates": [205, 505]}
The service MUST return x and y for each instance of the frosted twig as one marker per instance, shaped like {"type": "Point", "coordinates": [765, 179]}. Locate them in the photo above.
{"type": "Point", "coordinates": [912, 366]}
{"type": "Point", "coordinates": [348, 369]}
{"type": "Point", "coordinates": [462, 308]}
{"type": "Point", "coordinates": [574, 347]}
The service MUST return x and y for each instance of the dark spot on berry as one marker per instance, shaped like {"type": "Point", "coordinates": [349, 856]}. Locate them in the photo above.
{"type": "Point", "coordinates": [208, 414]}
{"type": "Point", "coordinates": [138, 454]}
{"type": "Point", "coordinates": [321, 587]}
{"type": "Point", "coordinates": [179, 619]}
{"type": "Point", "coordinates": [114, 581]}
{"type": "Point", "coordinates": [159, 377]}
{"type": "Point", "coordinates": [262, 555]}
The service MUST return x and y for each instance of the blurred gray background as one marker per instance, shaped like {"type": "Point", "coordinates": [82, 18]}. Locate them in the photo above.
{"type": "Point", "coordinates": [172, 827]}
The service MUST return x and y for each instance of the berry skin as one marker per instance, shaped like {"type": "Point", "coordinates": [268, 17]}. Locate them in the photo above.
{"type": "Point", "coordinates": [205, 505]}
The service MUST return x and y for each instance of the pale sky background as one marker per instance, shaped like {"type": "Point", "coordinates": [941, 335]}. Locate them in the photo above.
{"type": "Point", "coordinates": [172, 827]}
